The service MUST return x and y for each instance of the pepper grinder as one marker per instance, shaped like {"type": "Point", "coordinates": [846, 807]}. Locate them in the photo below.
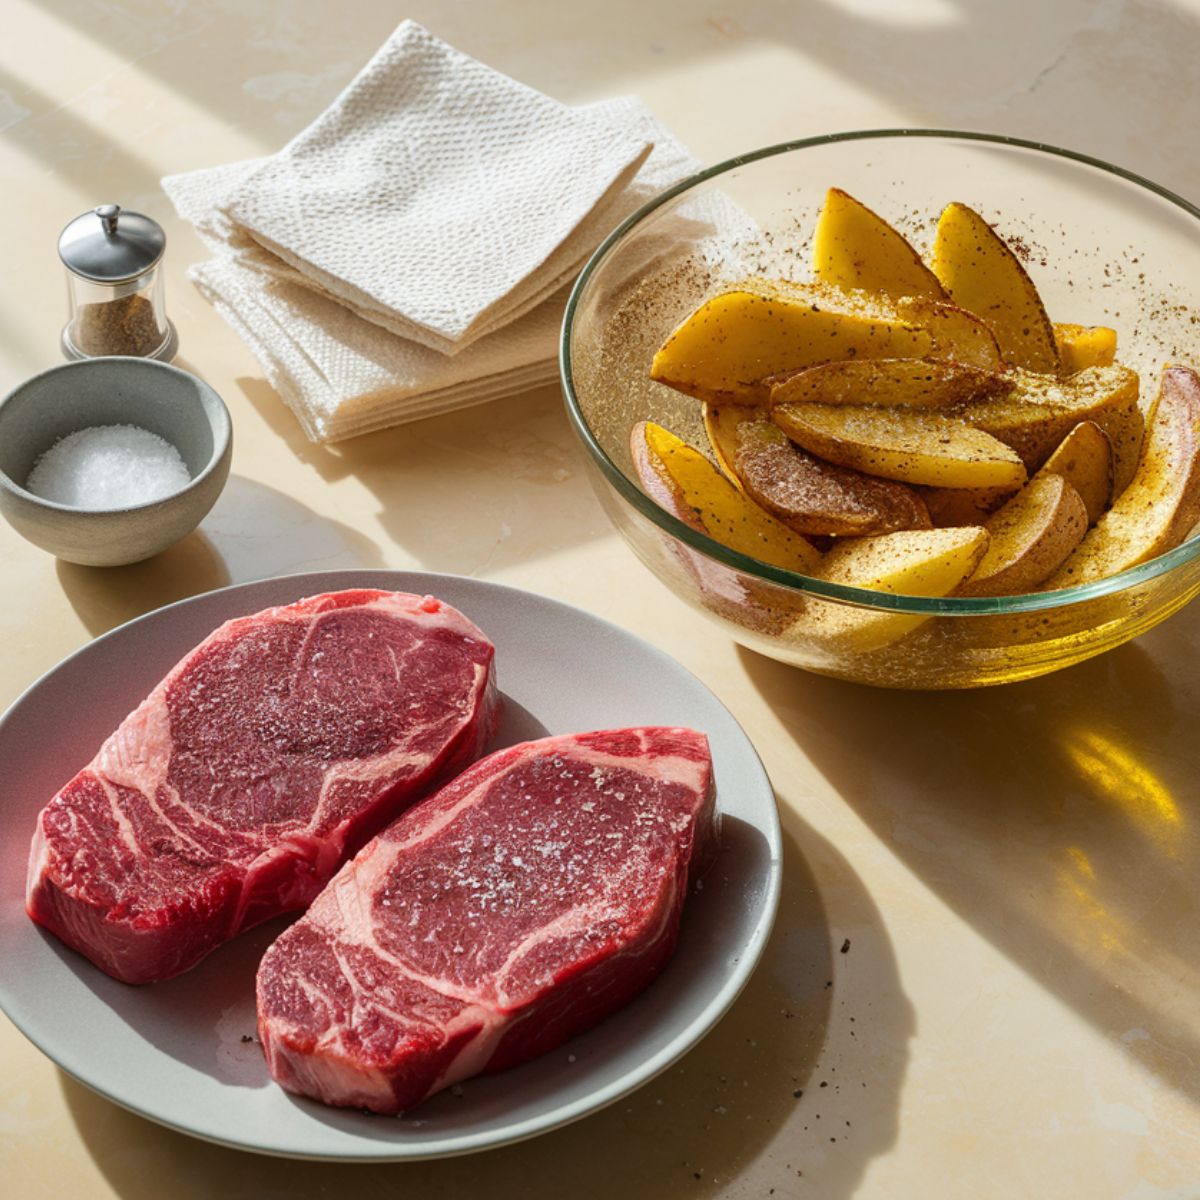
{"type": "Point", "coordinates": [113, 258]}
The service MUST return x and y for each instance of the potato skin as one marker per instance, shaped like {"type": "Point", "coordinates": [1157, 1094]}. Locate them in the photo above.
{"type": "Point", "coordinates": [1031, 537]}
{"type": "Point", "coordinates": [726, 348]}
{"type": "Point", "coordinates": [950, 507]}
{"type": "Point", "coordinates": [910, 445]}
{"type": "Point", "coordinates": [1084, 459]}
{"type": "Point", "coordinates": [854, 247]}
{"type": "Point", "coordinates": [917, 562]}
{"type": "Point", "coordinates": [1041, 410]}
{"type": "Point", "coordinates": [679, 479]}
{"type": "Point", "coordinates": [901, 382]}
{"type": "Point", "coordinates": [1160, 507]}
{"type": "Point", "coordinates": [814, 497]}
{"type": "Point", "coordinates": [980, 272]}
{"type": "Point", "coordinates": [958, 336]}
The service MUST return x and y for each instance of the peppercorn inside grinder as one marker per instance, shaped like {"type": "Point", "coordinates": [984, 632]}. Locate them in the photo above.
{"type": "Point", "coordinates": [114, 258]}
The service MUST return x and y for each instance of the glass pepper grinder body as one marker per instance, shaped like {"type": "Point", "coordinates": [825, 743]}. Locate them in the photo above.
{"type": "Point", "coordinates": [115, 291]}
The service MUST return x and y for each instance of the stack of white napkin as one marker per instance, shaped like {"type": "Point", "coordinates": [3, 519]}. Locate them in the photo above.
{"type": "Point", "coordinates": [411, 251]}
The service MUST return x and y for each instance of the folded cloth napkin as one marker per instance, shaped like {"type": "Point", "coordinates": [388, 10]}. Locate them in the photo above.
{"type": "Point", "coordinates": [438, 193]}
{"type": "Point", "coordinates": [342, 373]}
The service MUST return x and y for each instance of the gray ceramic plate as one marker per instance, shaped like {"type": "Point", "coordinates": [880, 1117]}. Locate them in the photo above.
{"type": "Point", "coordinates": [178, 1052]}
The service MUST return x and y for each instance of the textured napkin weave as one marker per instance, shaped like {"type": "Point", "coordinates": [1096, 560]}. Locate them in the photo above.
{"type": "Point", "coordinates": [342, 375]}
{"type": "Point", "coordinates": [437, 193]}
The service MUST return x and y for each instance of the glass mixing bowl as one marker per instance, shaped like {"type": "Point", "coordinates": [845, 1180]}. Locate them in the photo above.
{"type": "Point", "coordinates": [1103, 246]}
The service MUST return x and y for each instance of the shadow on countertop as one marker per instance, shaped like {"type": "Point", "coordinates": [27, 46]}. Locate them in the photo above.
{"type": "Point", "coordinates": [468, 492]}
{"type": "Point", "coordinates": [788, 1086]}
{"type": "Point", "coordinates": [105, 597]}
{"type": "Point", "coordinates": [1058, 816]}
{"type": "Point", "coordinates": [253, 532]}
{"type": "Point", "coordinates": [1056, 87]}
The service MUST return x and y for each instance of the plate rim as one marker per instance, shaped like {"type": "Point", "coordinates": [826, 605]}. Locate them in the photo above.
{"type": "Point", "coordinates": [459, 1144]}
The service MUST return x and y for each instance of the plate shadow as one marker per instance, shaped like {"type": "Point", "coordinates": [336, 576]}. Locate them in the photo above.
{"type": "Point", "coordinates": [747, 1101]}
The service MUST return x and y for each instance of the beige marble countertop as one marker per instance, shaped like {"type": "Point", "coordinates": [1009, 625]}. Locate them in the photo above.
{"type": "Point", "coordinates": [1014, 869]}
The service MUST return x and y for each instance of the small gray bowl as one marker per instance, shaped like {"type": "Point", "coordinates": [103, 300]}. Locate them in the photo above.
{"type": "Point", "coordinates": [112, 391]}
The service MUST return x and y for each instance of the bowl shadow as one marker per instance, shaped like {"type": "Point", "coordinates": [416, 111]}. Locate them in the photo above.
{"type": "Point", "coordinates": [1058, 816]}
{"type": "Point", "coordinates": [105, 597]}
{"type": "Point", "coordinates": [253, 532]}
{"type": "Point", "coordinates": [767, 1093]}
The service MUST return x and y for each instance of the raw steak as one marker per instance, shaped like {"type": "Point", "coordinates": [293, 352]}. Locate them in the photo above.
{"type": "Point", "coordinates": [530, 898]}
{"type": "Point", "coordinates": [265, 758]}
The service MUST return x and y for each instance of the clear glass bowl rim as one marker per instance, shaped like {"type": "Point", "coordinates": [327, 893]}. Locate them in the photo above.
{"type": "Point", "coordinates": [860, 597]}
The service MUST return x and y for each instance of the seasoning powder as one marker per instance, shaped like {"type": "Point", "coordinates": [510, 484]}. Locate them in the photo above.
{"type": "Point", "coordinates": [125, 325]}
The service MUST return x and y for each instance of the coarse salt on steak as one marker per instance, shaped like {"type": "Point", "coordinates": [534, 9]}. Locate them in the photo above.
{"type": "Point", "coordinates": [527, 900]}
{"type": "Point", "coordinates": [263, 760]}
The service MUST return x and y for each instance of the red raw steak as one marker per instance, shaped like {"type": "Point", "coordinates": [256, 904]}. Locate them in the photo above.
{"type": "Point", "coordinates": [265, 758]}
{"type": "Point", "coordinates": [530, 898]}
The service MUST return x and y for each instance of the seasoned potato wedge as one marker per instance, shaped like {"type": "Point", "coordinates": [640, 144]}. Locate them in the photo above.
{"type": "Point", "coordinates": [681, 480]}
{"type": "Point", "coordinates": [908, 382]}
{"type": "Point", "coordinates": [724, 349]}
{"type": "Point", "coordinates": [1162, 504]}
{"type": "Point", "coordinates": [957, 334]}
{"type": "Point", "coordinates": [907, 444]}
{"type": "Point", "coordinates": [722, 424]}
{"type": "Point", "coordinates": [913, 426]}
{"type": "Point", "coordinates": [962, 506]}
{"type": "Point", "coordinates": [854, 247]}
{"type": "Point", "coordinates": [1082, 346]}
{"type": "Point", "coordinates": [920, 562]}
{"type": "Point", "coordinates": [982, 275]}
{"type": "Point", "coordinates": [1040, 411]}
{"type": "Point", "coordinates": [1029, 538]}
{"type": "Point", "coordinates": [1084, 460]}
{"type": "Point", "coordinates": [812, 496]}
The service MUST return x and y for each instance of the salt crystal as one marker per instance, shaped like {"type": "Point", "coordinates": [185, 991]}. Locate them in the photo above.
{"type": "Point", "coordinates": [108, 466]}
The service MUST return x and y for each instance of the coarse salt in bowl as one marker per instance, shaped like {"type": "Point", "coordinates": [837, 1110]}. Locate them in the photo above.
{"type": "Point", "coordinates": [111, 460]}
{"type": "Point", "coordinates": [108, 466]}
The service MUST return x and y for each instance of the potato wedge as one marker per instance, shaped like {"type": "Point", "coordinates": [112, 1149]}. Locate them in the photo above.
{"type": "Point", "coordinates": [906, 444]}
{"type": "Point", "coordinates": [812, 496]}
{"type": "Point", "coordinates": [681, 480]}
{"type": "Point", "coordinates": [724, 349]}
{"type": "Point", "coordinates": [1029, 538]}
{"type": "Point", "coordinates": [957, 334]}
{"type": "Point", "coordinates": [962, 506]}
{"type": "Point", "coordinates": [1083, 346]}
{"type": "Point", "coordinates": [1040, 411]}
{"type": "Point", "coordinates": [722, 423]}
{"type": "Point", "coordinates": [1162, 504]}
{"type": "Point", "coordinates": [1084, 460]}
{"type": "Point", "coordinates": [918, 562]}
{"type": "Point", "coordinates": [982, 275]}
{"type": "Point", "coordinates": [907, 382]}
{"type": "Point", "coordinates": [854, 247]}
